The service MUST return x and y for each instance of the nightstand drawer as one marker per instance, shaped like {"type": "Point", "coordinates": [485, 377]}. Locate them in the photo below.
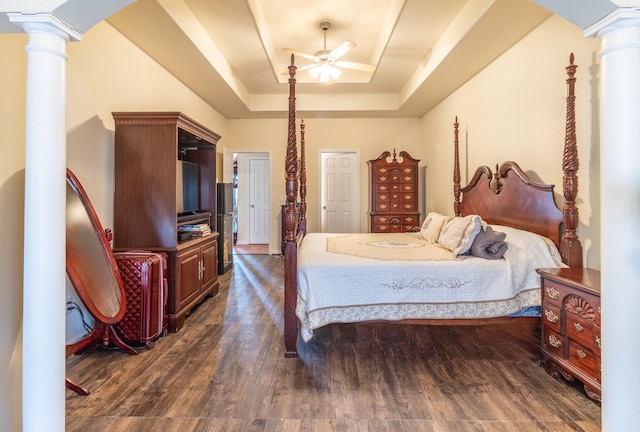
{"type": "Point", "coordinates": [584, 359]}
{"type": "Point", "coordinates": [553, 342]}
{"type": "Point", "coordinates": [551, 317]}
{"type": "Point", "coordinates": [553, 292]}
{"type": "Point", "coordinates": [580, 330]}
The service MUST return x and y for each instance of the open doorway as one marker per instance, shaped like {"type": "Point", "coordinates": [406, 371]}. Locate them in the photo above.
{"type": "Point", "coordinates": [252, 192]}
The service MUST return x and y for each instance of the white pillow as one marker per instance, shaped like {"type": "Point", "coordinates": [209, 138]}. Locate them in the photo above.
{"type": "Point", "coordinates": [432, 225]}
{"type": "Point", "coordinates": [458, 234]}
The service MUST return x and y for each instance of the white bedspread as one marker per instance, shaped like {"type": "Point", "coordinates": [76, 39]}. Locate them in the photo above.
{"type": "Point", "coordinates": [334, 288]}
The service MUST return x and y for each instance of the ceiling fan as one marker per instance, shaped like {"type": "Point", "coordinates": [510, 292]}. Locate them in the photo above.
{"type": "Point", "coordinates": [326, 64]}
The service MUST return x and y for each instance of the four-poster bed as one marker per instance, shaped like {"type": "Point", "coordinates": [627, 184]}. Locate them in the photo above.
{"type": "Point", "coordinates": [507, 200]}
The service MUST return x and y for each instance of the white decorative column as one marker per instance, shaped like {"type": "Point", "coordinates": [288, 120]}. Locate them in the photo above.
{"type": "Point", "coordinates": [620, 209]}
{"type": "Point", "coordinates": [43, 363]}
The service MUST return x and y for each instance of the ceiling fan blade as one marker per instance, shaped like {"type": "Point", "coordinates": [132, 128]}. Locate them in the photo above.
{"type": "Point", "coordinates": [301, 54]}
{"type": "Point", "coordinates": [342, 49]}
{"type": "Point", "coordinates": [306, 67]}
{"type": "Point", "coordinates": [357, 66]}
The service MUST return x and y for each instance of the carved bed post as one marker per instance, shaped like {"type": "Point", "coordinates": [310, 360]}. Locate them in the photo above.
{"type": "Point", "coordinates": [303, 182]}
{"type": "Point", "coordinates": [456, 170]}
{"type": "Point", "coordinates": [570, 247]}
{"type": "Point", "coordinates": [291, 215]}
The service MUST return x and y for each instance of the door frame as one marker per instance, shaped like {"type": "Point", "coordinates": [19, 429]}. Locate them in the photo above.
{"type": "Point", "coordinates": [356, 192]}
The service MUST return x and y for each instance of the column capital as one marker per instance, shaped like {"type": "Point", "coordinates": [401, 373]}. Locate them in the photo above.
{"type": "Point", "coordinates": [618, 19]}
{"type": "Point", "coordinates": [46, 22]}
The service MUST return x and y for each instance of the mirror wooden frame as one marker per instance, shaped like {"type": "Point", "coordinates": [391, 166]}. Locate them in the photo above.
{"type": "Point", "coordinates": [93, 272]}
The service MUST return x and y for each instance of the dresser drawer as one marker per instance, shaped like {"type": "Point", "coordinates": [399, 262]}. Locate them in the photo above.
{"type": "Point", "coordinates": [388, 188]}
{"type": "Point", "coordinates": [410, 223]}
{"type": "Point", "coordinates": [551, 317]}
{"type": "Point", "coordinates": [395, 223]}
{"type": "Point", "coordinates": [553, 292]}
{"type": "Point", "coordinates": [580, 330]}
{"type": "Point", "coordinates": [408, 172]}
{"type": "Point", "coordinates": [554, 343]}
{"type": "Point", "coordinates": [584, 359]}
{"type": "Point", "coordinates": [387, 228]}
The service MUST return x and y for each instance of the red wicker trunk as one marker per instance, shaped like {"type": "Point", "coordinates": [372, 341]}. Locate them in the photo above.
{"type": "Point", "coordinates": [144, 275]}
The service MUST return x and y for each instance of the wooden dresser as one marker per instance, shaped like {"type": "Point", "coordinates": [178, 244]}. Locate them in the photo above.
{"type": "Point", "coordinates": [393, 202]}
{"type": "Point", "coordinates": [571, 325]}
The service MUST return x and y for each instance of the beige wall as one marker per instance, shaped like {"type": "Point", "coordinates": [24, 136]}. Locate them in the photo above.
{"type": "Point", "coordinates": [515, 110]}
{"type": "Point", "coordinates": [12, 112]}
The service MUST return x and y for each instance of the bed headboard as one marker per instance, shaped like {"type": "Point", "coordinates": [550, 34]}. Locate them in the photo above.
{"type": "Point", "coordinates": [510, 197]}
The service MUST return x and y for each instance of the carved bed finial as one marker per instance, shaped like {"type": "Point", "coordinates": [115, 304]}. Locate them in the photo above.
{"type": "Point", "coordinates": [456, 170]}
{"type": "Point", "coordinates": [291, 161]}
{"type": "Point", "coordinates": [496, 184]}
{"type": "Point", "coordinates": [570, 247]}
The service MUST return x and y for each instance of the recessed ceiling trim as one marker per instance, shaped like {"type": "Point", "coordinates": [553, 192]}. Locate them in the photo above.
{"type": "Point", "coordinates": [395, 9]}
{"type": "Point", "coordinates": [257, 14]}
{"type": "Point", "coordinates": [470, 14]}
{"type": "Point", "coordinates": [189, 24]}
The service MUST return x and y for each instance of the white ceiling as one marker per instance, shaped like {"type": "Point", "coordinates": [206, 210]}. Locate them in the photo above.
{"type": "Point", "coordinates": [230, 52]}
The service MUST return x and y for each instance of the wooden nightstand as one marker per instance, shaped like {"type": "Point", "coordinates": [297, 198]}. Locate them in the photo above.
{"type": "Point", "coordinates": [571, 325]}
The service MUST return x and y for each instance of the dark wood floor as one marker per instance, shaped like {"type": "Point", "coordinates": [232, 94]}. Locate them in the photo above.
{"type": "Point", "coordinates": [250, 249]}
{"type": "Point", "coordinates": [225, 371]}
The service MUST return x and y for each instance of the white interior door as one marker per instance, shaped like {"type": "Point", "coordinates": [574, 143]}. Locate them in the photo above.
{"type": "Point", "coordinates": [340, 192]}
{"type": "Point", "coordinates": [259, 201]}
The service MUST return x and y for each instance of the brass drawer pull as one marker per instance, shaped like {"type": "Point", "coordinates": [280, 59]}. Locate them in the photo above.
{"type": "Point", "coordinates": [551, 316]}
{"type": "Point", "coordinates": [598, 341]}
{"type": "Point", "coordinates": [553, 293]}
{"type": "Point", "coordinates": [581, 353]}
{"type": "Point", "coordinates": [554, 341]}
{"type": "Point", "coordinates": [578, 327]}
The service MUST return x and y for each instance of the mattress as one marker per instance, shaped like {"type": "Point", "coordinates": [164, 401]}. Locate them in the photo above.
{"type": "Point", "coordinates": [343, 287]}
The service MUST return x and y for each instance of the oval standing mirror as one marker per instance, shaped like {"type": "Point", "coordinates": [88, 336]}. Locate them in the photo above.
{"type": "Point", "coordinates": [93, 272]}
{"type": "Point", "coordinates": [91, 267]}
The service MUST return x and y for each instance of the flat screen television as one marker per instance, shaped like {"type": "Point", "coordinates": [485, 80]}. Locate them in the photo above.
{"type": "Point", "coordinates": [187, 187]}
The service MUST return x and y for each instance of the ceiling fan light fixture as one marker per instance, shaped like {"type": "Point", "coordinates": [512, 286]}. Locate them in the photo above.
{"type": "Point", "coordinates": [325, 73]}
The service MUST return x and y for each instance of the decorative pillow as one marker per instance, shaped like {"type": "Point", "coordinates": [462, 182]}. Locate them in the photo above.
{"type": "Point", "coordinates": [458, 234]}
{"type": "Point", "coordinates": [489, 244]}
{"type": "Point", "coordinates": [432, 225]}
